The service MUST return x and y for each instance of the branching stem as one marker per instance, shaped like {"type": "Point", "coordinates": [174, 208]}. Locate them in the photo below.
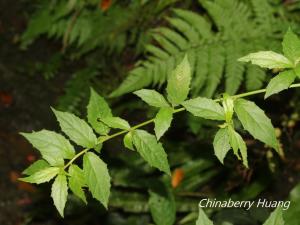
{"type": "Point", "coordinates": [152, 120]}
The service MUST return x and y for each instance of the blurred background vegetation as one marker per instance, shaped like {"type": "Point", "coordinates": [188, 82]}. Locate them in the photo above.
{"type": "Point", "coordinates": [53, 51]}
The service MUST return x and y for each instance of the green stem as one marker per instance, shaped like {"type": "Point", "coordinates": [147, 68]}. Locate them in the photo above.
{"type": "Point", "coordinates": [152, 120]}
{"type": "Point", "coordinates": [75, 157]}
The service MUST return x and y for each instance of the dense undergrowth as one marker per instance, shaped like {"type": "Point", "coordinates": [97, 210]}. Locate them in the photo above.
{"type": "Point", "coordinates": [117, 47]}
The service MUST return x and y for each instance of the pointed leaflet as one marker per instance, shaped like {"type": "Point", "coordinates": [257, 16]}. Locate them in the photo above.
{"type": "Point", "coordinates": [256, 122]}
{"type": "Point", "coordinates": [128, 142]}
{"type": "Point", "coordinates": [116, 122]}
{"type": "Point", "coordinates": [291, 46]}
{"type": "Point", "coordinates": [281, 82]}
{"type": "Point", "coordinates": [36, 166]}
{"type": "Point", "coordinates": [59, 193]}
{"type": "Point", "coordinates": [179, 82]}
{"type": "Point", "coordinates": [98, 109]}
{"type": "Point", "coordinates": [237, 143]}
{"type": "Point", "coordinates": [42, 176]}
{"type": "Point", "coordinates": [97, 177]}
{"type": "Point", "coordinates": [268, 59]}
{"type": "Point", "coordinates": [77, 129]}
{"type": "Point", "coordinates": [77, 181]}
{"type": "Point", "coordinates": [204, 107]}
{"type": "Point", "coordinates": [152, 151]}
{"type": "Point", "coordinates": [162, 121]}
{"type": "Point", "coordinates": [53, 146]}
{"type": "Point", "coordinates": [275, 218]}
{"type": "Point", "coordinates": [203, 219]}
{"type": "Point", "coordinates": [221, 144]}
{"type": "Point", "coordinates": [152, 97]}
{"type": "Point", "coordinates": [162, 207]}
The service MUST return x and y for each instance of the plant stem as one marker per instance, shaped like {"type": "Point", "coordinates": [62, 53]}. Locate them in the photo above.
{"type": "Point", "coordinates": [75, 157]}
{"type": "Point", "coordinates": [175, 111]}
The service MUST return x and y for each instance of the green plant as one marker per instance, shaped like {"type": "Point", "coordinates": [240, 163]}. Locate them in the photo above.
{"type": "Point", "coordinates": [94, 175]}
{"type": "Point", "coordinates": [276, 218]}
{"type": "Point", "coordinates": [213, 42]}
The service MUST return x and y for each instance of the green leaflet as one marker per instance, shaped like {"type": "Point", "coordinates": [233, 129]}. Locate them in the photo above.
{"type": "Point", "coordinates": [275, 218]}
{"type": "Point", "coordinates": [291, 46]}
{"type": "Point", "coordinates": [203, 219]}
{"type": "Point", "coordinates": [42, 176]}
{"type": "Point", "coordinates": [35, 167]}
{"type": "Point", "coordinates": [204, 107]}
{"type": "Point", "coordinates": [59, 193]}
{"type": "Point", "coordinates": [162, 206]}
{"type": "Point", "coordinates": [152, 151]}
{"type": "Point", "coordinates": [77, 182]}
{"type": "Point", "coordinates": [53, 146]}
{"type": "Point", "coordinates": [268, 59]}
{"type": "Point", "coordinates": [281, 82]}
{"type": "Point", "coordinates": [237, 143]}
{"type": "Point", "coordinates": [297, 70]}
{"type": "Point", "coordinates": [152, 97]}
{"type": "Point", "coordinates": [128, 142]}
{"type": "Point", "coordinates": [77, 129]}
{"type": "Point", "coordinates": [116, 122]}
{"type": "Point", "coordinates": [162, 121]}
{"type": "Point", "coordinates": [179, 82]}
{"type": "Point", "coordinates": [228, 106]}
{"type": "Point", "coordinates": [97, 177]}
{"type": "Point", "coordinates": [98, 109]}
{"type": "Point", "coordinates": [221, 144]}
{"type": "Point", "coordinates": [256, 122]}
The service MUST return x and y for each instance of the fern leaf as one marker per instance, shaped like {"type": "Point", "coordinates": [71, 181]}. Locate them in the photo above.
{"type": "Point", "coordinates": [170, 47]}
{"type": "Point", "coordinates": [234, 69]}
{"type": "Point", "coordinates": [201, 71]}
{"type": "Point", "coordinates": [136, 79]}
{"type": "Point", "coordinates": [216, 61]}
{"type": "Point", "coordinates": [202, 26]}
{"type": "Point", "coordinates": [174, 37]}
{"type": "Point", "coordinates": [185, 29]}
{"type": "Point", "coordinates": [255, 77]}
{"type": "Point", "coordinates": [157, 52]}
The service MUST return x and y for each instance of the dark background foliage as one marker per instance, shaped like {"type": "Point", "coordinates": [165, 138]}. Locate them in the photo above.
{"type": "Point", "coordinates": [52, 52]}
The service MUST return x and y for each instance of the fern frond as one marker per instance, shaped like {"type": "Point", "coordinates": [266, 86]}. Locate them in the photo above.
{"type": "Point", "coordinates": [201, 71]}
{"type": "Point", "coordinates": [234, 70]}
{"type": "Point", "coordinates": [255, 77]}
{"type": "Point", "coordinates": [212, 53]}
{"type": "Point", "coordinates": [216, 61]}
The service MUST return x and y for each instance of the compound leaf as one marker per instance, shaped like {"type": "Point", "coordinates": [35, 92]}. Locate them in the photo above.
{"type": "Point", "coordinates": [256, 122]}
{"type": "Point", "coordinates": [42, 176]}
{"type": "Point", "coordinates": [162, 121]}
{"type": "Point", "coordinates": [98, 109]}
{"type": "Point", "coordinates": [152, 97]}
{"type": "Point", "coordinates": [97, 177]}
{"type": "Point", "coordinates": [53, 146]}
{"type": "Point", "coordinates": [36, 166]}
{"type": "Point", "coordinates": [276, 218]}
{"type": "Point", "coordinates": [162, 207]}
{"type": "Point", "coordinates": [203, 219]}
{"type": "Point", "coordinates": [77, 181]}
{"type": "Point", "coordinates": [116, 122]}
{"type": "Point", "coordinates": [179, 82]}
{"type": "Point", "coordinates": [77, 129]}
{"type": "Point", "coordinates": [291, 46]}
{"type": "Point", "coordinates": [152, 151]}
{"type": "Point", "coordinates": [59, 193]}
{"type": "Point", "coordinates": [204, 107]}
{"type": "Point", "coordinates": [221, 144]}
{"type": "Point", "coordinates": [237, 143]}
{"type": "Point", "coordinates": [268, 59]}
{"type": "Point", "coordinates": [281, 82]}
{"type": "Point", "coordinates": [128, 141]}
